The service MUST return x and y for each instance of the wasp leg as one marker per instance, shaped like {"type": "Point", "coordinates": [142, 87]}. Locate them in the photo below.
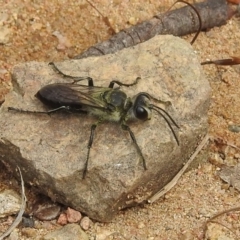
{"type": "Point", "coordinates": [43, 112]}
{"type": "Point", "coordinates": [90, 142]}
{"type": "Point", "coordinates": [75, 79]}
{"type": "Point", "coordinates": [127, 128]}
{"type": "Point", "coordinates": [123, 84]}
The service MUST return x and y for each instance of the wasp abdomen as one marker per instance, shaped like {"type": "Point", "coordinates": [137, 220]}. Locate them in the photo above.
{"type": "Point", "coordinates": [57, 95]}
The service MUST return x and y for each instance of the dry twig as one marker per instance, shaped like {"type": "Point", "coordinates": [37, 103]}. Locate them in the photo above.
{"type": "Point", "coordinates": [177, 22]}
{"type": "Point", "coordinates": [217, 215]}
{"type": "Point", "coordinates": [20, 213]}
{"type": "Point", "coordinates": [171, 184]}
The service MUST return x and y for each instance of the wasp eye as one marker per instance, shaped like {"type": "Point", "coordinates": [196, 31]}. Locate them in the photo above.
{"type": "Point", "coordinates": [141, 113]}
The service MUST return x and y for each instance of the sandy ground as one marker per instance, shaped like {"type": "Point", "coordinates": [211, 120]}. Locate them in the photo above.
{"type": "Point", "coordinates": [57, 30]}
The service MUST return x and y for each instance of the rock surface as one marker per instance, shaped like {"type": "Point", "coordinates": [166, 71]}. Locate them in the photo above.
{"type": "Point", "coordinates": [51, 150]}
{"type": "Point", "coordinates": [68, 232]}
{"type": "Point", "coordinates": [10, 203]}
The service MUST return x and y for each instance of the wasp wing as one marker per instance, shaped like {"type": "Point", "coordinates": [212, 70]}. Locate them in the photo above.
{"type": "Point", "coordinates": [75, 96]}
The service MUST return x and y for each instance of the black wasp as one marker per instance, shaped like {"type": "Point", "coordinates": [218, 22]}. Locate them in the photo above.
{"type": "Point", "coordinates": [106, 103]}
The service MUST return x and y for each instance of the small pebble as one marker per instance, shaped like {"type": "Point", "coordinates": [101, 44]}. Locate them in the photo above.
{"type": "Point", "coordinates": [28, 222]}
{"type": "Point", "coordinates": [85, 223]}
{"type": "Point", "coordinates": [234, 128]}
{"type": "Point", "coordinates": [70, 231]}
{"type": "Point", "coordinates": [46, 210]}
{"type": "Point", "coordinates": [62, 220]}
{"type": "Point", "coordinates": [10, 202]}
{"type": "Point", "coordinates": [73, 216]}
{"type": "Point", "coordinates": [29, 233]}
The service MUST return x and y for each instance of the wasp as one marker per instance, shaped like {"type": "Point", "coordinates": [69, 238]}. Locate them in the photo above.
{"type": "Point", "coordinates": [106, 103]}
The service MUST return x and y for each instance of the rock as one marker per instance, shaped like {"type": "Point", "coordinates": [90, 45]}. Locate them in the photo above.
{"type": "Point", "coordinates": [51, 150]}
{"type": "Point", "coordinates": [104, 234]}
{"type": "Point", "coordinates": [217, 231]}
{"type": "Point", "coordinates": [62, 220]}
{"type": "Point", "coordinates": [29, 233]}
{"type": "Point", "coordinates": [48, 213]}
{"type": "Point", "coordinates": [46, 210]}
{"type": "Point", "coordinates": [10, 203]}
{"type": "Point", "coordinates": [28, 221]}
{"type": "Point", "coordinates": [85, 223]}
{"type": "Point", "coordinates": [73, 216]}
{"type": "Point", "coordinates": [234, 128]}
{"type": "Point", "coordinates": [231, 175]}
{"type": "Point", "coordinates": [69, 232]}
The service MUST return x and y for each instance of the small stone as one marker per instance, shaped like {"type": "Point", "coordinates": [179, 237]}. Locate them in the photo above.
{"type": "Point", "coordinates": [46, 210]}
{"type": "Point", "coordinates": [70, 231]}
{"type": "Point", "coordinates": [73, 216]}
{"type": "Point", "coordinates": [27, 222]}
{"type": "Point", "coordinates": [63, 41]}
{"type": "Point", "coordinates": [234, 128]}
{"type": "Point", "coordinates": [48, 225]}
{"type": "Point", "coordinates": [103, 234]}
{"type": "Point", "coordinates": [132, 20]}
{"type": "Point", "coordinates": [85, 223]}
{"type": "Point", "coordinates": [48, 214]}
{"type": "Point", "coordinates": [10, 203]}
{"type": "Point", "coordinates": [62, 220]}
{"type": "Point", "coordinates": [29, 233]}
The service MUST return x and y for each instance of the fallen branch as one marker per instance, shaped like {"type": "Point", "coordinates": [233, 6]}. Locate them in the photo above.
{"type": "Point", "coordinates": [177, 22]}
{"type": "Point", "coordinates": [171, 184]}
{"type": "Point", "coordinates": [20, 213]}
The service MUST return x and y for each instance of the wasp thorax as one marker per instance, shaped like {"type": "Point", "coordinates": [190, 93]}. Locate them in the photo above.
{"type": "Point", "coordinates": [116, 98]}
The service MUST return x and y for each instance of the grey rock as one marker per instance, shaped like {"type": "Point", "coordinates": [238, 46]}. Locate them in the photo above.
{"type": "Point", "coordinates": [10, 203]}
{"type": "Point", "coordinates": [234, 128]}
{"type": "Point", "coordinates": [231, 175]}
{"type": "Point", "coordinates": [68, 232]}
{"type": "Point", "coordinates": [51, 150]}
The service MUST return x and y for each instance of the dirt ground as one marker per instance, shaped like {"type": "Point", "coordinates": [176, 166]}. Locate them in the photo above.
{"type": "Point", "coordinates": [57, 30]}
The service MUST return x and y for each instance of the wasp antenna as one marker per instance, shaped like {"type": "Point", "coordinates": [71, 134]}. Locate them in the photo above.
{"type": "Point", "coordinates": [158, 109]}
{"type": "Point", "coordinates": [199, 19]}
{"type": "Point", "coordinates": [161, 109]}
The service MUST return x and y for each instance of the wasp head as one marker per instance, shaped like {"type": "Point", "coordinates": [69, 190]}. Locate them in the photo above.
{"type": "Point", "coordinates": [140, 108]}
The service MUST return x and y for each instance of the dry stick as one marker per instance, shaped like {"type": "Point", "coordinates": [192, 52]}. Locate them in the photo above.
{"type": "Point", "coordinates": [20, 214]}
{"type": "Point", "coordinates": [177, 22]}
{"type": "Point", "coordinates": [212, 138]}
{"type": "Point", "coordinates": [217, 215]}
{"type": "Point", "coordinates": [173, 182]}
{"type": "Point", "coordinates": [199, 18]}
{"type": "Point", "coordinates": [224, 226]}
{"type": "Point", "coordinates": [224, 62]}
